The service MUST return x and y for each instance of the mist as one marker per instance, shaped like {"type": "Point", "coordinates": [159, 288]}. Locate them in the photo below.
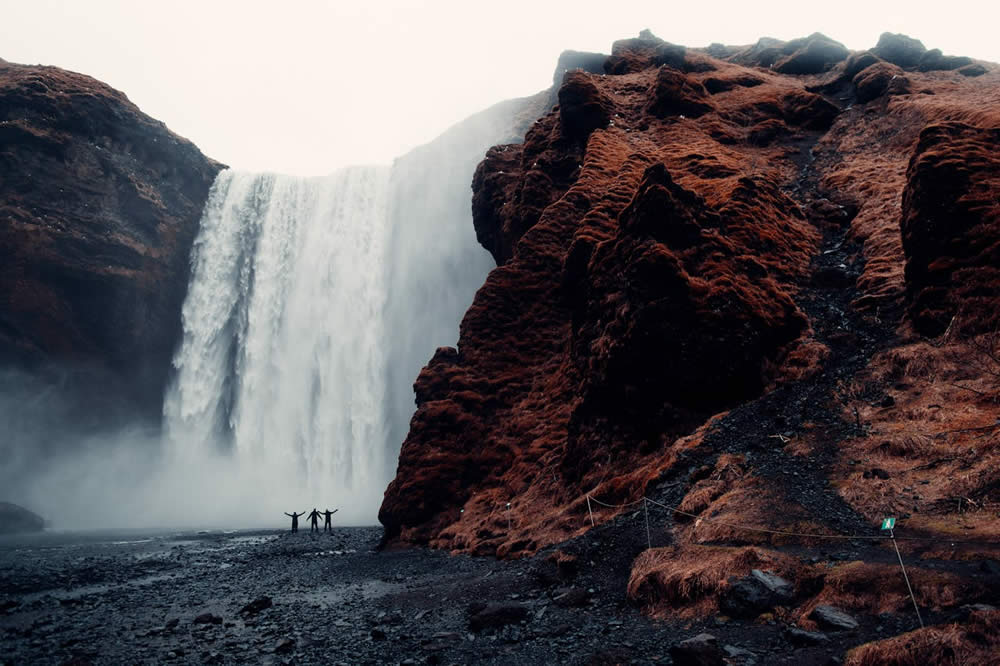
{"type": "Point", "coordinates": [312, 305]}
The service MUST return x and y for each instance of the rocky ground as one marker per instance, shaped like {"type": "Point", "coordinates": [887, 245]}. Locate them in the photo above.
{"type": "Point", "coordinates": [276, 597]}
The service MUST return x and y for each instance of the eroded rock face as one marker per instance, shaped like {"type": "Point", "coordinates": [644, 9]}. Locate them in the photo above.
{"type": "Point", "coordinates": [657, 239]}
{"type": "Point", "coordinates": [99, 206]}
{"type": "Point", "coordinates": [951, 228]}
{"type": "Point", "coordinates": [644, 281]}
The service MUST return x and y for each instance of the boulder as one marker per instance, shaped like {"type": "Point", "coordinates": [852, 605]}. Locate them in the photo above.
{"type": "Point", "coordinates": [14, 519]}
{"type": "Point", "coordinates": [818, 54]}
{"type": "Point", "coordinates": [207, 618]}
{"type": "Point", "coordinates": [834, 619]}
{"type": "Point", "coordinates": [798, 636]}
{"type": "Point", "coordinates": [484, 616]}
{"type": "Point", "coordinates": [701, 650]}
{"type": "Point", "coordinates": [975, 69]}
{"type": "Point", "coordinates": [257, 605]}
{"type": "Point", "coordinates": [859, 61]}
{"type": "Point", "coordinates": [899, 49]}
{"type": "Point", "coordinates": [754, 594]}
{"type": "Point", "coordinates": [935, 60]}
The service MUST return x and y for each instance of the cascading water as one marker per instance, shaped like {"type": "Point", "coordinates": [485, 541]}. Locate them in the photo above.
{"type": "Point", "coordinates": [283, 356]}
{"type": "Point", "coordinates": [312, 305]}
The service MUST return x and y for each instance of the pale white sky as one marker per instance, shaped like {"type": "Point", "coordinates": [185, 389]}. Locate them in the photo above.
{"type": "Point", "coordinates": [307, 86]}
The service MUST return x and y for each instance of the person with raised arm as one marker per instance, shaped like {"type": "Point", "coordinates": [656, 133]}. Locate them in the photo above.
{"type": "Point", "coordinates": [314, 520]}
{"type": "Point", "coordinates": [295, 519]}
{"type": "Point", "coordinates": [327, 527]}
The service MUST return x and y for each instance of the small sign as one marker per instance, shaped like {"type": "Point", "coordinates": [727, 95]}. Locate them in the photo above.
{"type": "Point", "coordinates": [888, 523]}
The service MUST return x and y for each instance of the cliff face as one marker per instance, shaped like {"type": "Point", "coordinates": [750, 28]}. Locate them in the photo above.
{"type": "Point", "coordinates": [99, 206]}
{"type": "Point", "coordinates": [681, 235]}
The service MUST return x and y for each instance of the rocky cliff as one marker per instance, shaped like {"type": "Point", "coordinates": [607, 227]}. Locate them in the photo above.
{"type": "Point", "coordinates": [754, 284]}
{"type": "Point", "coordinates": [99, 206]}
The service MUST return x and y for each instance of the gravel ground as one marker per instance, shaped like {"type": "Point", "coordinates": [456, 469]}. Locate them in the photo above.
{"type": "Point", "coordinates": [334, 598]}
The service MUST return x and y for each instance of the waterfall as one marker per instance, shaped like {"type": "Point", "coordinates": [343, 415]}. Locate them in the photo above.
{"type": "Point", "coordinates": [312, 305]}
{"type": "Point", "coordinates": [283, 354]}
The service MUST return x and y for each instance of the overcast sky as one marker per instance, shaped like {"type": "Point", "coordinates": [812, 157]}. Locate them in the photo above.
{"type": "Point", "coordinates": [307, 86]}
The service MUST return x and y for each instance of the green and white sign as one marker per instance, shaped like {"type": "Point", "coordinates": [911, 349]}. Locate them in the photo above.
{"type": "Point", "coordinates": [888, 523]}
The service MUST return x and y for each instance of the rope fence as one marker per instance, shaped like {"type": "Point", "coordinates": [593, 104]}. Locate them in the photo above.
{"type": "Point", "coordinates": [763, 530]}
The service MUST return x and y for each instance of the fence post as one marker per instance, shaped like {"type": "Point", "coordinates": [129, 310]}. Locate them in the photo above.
{"type": "Point", "coordinates": [906, 578]}
{"type": "Point", "coordinates": [645, 508]}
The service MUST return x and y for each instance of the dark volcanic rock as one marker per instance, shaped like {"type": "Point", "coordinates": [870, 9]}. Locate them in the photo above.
{"type": "Point", "coordinates": [754, 594]}
{"type": "Point", "coordinates": [572, 60]}
{"type": "Point", "coordinates": [14, 518]}
{"type": "Point", "coordinates": [207, 618]}
{"type": "Point", "coordinates": [99, 206]}
{"type": "Point", "coordinates": [934, 59]}
{"type": "Point", "coordinates": [975, 69]}
{"type": "Point", "coordinates": [951, 227]}
{"type": "Point", "coordinates": [483, 616]}
{"type": "Point", "coordinates": [832, 618]}
{"type": "Point", "coordinates": [701, 650]}
{"type": "Point", "coordinates": [899, 49]}
{"type": "Point", "coordinates": [256, 606]}
{"type": "Point", "coordinates": [582, 107]}
{"type": "Point", "coordinates": [812, 55]}
{"type": "Point", "coordinates": [798, 636]}
{"type": "Point", "coordinates": [859, 61]}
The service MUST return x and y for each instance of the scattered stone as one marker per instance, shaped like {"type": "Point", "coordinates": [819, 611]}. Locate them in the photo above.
{"type": "Point", "coordinates": [207, 618]}
{"type": "Point", "coordinates": [975, 69]}
{"type": "Point", "coordinates": [256, 606]}
{"type": "Point", "coordinates": [702, 650]}
{"type": "Point", "coordinates": [285, 646]}
{"type": "Point", "coordinates": [876, 473]}
{"type": "Point", "coordinates": [482, 616]}
{"type": "Point", "coordinates": [752, 595]}
{"type": "Point", "coordinates": [571, 597]}
{"type": "Point", "coordinates": [899, 49]}
{"type": "Point", "coordinates": [734, 652]}
{"type": "Point", "coordinates": [172, 623]}
{"type": "Point", "coordinates": [377, 635]}
{"type": "Point", "coordinates": [798, 636]}
{"type": "Point", "coordinates": [832, 618]}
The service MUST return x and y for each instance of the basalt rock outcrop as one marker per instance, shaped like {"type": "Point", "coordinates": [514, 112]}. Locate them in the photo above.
{"type": "Point", "coordinates": [701, 288]}
{"type": "Point", "coordinates": [99, 206]}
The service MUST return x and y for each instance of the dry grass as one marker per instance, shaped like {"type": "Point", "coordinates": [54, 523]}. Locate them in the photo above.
{"type": "Point", "coordinates": [880, 588]}
{"type": "Point", "coordinates": [976, 641]}
{"type": "Point", "coordinates": [939, 442]}
{"type": "Point", "coordinates": [685, 581]}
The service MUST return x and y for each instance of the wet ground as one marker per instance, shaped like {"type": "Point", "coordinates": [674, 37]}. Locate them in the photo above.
{"type": "Point", "coordinates": [148, 597]}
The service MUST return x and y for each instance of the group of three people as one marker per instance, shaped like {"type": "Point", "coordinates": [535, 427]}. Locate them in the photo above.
{"type": "Point", "coordinates": [314, 517]}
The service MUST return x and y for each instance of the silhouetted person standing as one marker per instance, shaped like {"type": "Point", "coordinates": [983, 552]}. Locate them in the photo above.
{"type": "Point", "coordinates": [295, 519]}
{"type": "Point", "coordinates": [326, 523]}
{"type": "Point", "coordinates": [314, 519]}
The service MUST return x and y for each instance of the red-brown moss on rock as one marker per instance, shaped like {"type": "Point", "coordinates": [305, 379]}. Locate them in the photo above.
{"type": "Point", "coordinates": [880, 79]}
{"type": "Point", "coordinates": [951, 228]}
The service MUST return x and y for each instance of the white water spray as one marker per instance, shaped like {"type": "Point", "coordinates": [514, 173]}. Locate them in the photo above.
{"type": "Point", "coordinates": [282, 361]}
